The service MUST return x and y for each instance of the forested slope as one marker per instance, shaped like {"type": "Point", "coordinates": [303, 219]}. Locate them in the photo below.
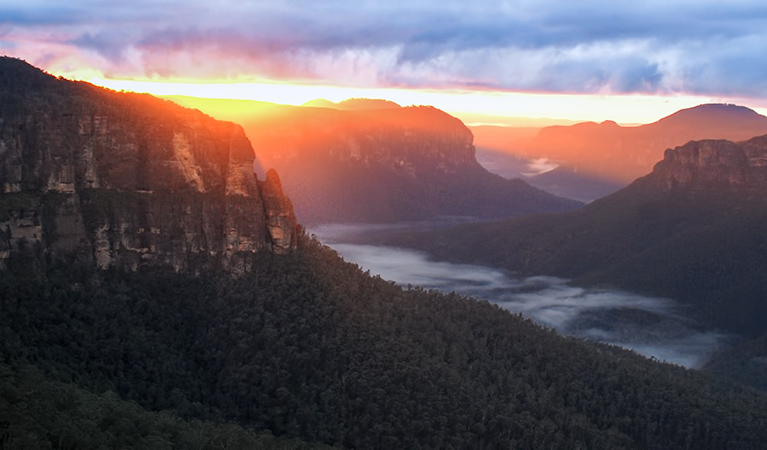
{"type": "Point", "coordinates": [37, 413]}
{"type": "Point", "coordinates": [309, 346]}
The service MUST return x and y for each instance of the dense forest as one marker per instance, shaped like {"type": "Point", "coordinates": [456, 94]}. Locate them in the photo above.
{"type": "Point", "coordinates": [307, 346]}
{"type": "Point", "coordinates": [37, 413]}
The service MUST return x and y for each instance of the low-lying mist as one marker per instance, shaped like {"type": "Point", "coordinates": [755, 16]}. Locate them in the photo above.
{"type": "Point", "coordinates": [650, 326]}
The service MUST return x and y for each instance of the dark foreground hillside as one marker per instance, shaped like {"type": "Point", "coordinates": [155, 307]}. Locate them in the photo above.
{"type": "Point", "coordinates": [309, 346]}
{"type": "Point", "coordinates": [37, 413]}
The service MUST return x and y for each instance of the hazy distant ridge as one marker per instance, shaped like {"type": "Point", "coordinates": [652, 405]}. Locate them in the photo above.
{"type": "Point", "coordinates": [592, 157]}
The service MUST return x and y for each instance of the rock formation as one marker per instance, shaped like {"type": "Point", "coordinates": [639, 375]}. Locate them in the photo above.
{"type": "Point", "coordinates": [126, 179]}
{"type": "Point", "coordinates": [716, 163]}
{"type": "Point", "coordinates": [386, 165]}
{"type": "Point", "coordinates": [280, 220]}
{"type": "Point", "coordinates": [411, 140]}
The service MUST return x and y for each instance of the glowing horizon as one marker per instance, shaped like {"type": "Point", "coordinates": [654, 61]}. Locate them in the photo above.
{"type": "Point", "coordinates": [594, 60]}
{"type": "Point", "coordinates": [625, 109]}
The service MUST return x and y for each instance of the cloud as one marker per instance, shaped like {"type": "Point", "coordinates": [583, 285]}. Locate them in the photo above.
{"type": "Point", "coordinates": [701, 47]}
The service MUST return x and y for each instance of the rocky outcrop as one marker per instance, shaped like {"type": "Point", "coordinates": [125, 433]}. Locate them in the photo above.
{"type": "Point", "coordinates": [126, 179]}
{"type": "Point", "coordinates": [716, 164]}
{"type": "Point", "coordinates": [280, 219]}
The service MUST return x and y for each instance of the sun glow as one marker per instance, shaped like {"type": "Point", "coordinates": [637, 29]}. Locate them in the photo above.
{"type": "Point", "coordinates": [465, 104]}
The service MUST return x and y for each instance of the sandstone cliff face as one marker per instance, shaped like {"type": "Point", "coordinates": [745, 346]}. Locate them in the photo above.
{"type": "Point", "coordinates": [127, 179]}
{"type": "Point", "coordinates": [385, 165]}
{"type": "Point", "coordinates": [280, 220]}
{"type": "Point", "coordinates": [411, 140]}
{"type": "Point", "coordinates": [716, 164]}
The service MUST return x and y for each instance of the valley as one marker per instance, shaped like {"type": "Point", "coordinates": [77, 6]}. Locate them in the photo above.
{"type": "Point", "coordinates": [655, 327]}
{"type": "Point", "coordinates": [158, 287]}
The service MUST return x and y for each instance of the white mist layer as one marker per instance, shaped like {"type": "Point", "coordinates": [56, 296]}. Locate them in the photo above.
{"type": "Point", "coordinates": [648, 325]}
{"type": "Point", "coordinates": [539, 166]}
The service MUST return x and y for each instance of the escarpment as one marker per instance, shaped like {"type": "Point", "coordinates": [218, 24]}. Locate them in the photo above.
{"type": "Point", "coordinates": [411, 140]}
{"type": "Point", "coordinates": [386, 165]}
{"type": "Point", "coordinates": [716, 164]}
{"type": "Point", "coordinates": [125, 179]}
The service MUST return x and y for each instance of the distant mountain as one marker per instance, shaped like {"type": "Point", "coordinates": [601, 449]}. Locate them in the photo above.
{"type": "Point", "coordinates": [354, 104]}
{"type": "Point", "coordinates": [692, 230]}
{"type": "Point", "coordinates": [504, 138]}
{"type": "Point", "coordinates": [570, 183]}
{"type": "Point", "coordinates": [125, 180]}
{"type": "Point", "coordinates": [505, 150]}
{"type": "Point", "coordinates": [608, 152]}
{"type": "Point", "coordinates": [386, 165]}
{"type": "Point", "coordinates": [478, 120]}
{"type": "Point", "coordinates": [729, 121]}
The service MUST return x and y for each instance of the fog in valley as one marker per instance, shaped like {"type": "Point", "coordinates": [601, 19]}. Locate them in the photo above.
{"type": "Point", "coordinates": [654, 327]}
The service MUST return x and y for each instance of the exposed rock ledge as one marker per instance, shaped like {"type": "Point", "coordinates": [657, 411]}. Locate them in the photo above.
{"type": "Point", "coordinates": [125, 179]}
{"type": "Point", "coordinates": [716, 164]}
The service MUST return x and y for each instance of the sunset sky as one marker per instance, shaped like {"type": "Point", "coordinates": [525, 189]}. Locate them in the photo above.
{"type": "Point", "coordinates": [583, 60]}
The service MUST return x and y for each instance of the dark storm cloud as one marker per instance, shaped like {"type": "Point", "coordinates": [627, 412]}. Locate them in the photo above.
{"type": "Point", "coordinates": [593, 46]}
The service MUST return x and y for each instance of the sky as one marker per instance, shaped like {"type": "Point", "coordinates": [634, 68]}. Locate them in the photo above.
{"type": "Point", "coordinates": [582, 60]}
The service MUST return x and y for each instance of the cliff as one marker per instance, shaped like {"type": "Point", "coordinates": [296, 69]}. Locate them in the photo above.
{"type": "Point", "coordinates": [412, 140]}
{"type": "Point", "coordinates": [716, 164]}
{"type": "Point", "coordinates": [385, 165]}
{"type": "Point", "coordinates": [125, 179]}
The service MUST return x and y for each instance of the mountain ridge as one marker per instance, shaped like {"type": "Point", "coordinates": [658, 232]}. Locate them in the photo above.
{"type": "Point", "coordinates": [632, 151]}
{"type": "Point", "coordinates": [353, 104]}
{"type": "Point", "coordinates": [596, 159]}
{"type": "Point", "coordinates": [708, 114]}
